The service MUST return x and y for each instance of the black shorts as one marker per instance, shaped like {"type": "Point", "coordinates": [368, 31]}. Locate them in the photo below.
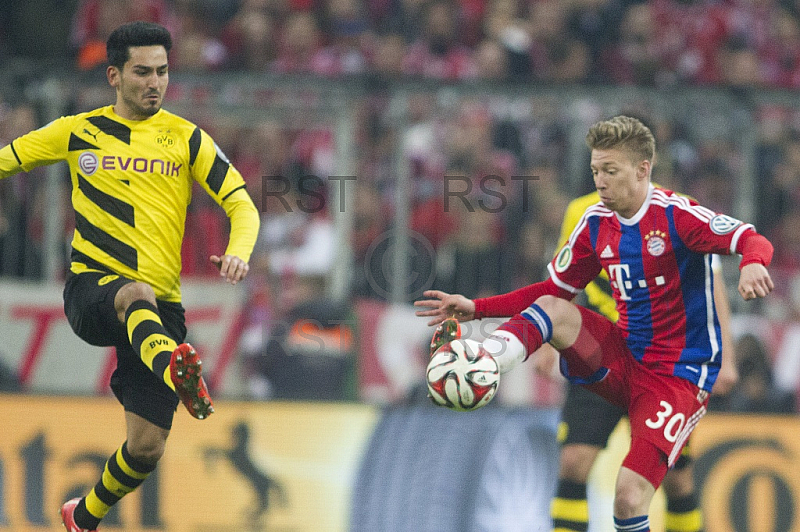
{"type": "Point", "coordinates": [588, 419]}
{"type": "Point", "coordinates": [89, 306]}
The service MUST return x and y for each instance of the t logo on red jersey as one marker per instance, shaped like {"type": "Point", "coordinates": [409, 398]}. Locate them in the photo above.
{"type": "Point", "coordinates": [619, 274]}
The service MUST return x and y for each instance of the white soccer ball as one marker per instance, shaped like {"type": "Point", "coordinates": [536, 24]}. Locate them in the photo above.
{"type": "Point", "coordinates": [461, 376]}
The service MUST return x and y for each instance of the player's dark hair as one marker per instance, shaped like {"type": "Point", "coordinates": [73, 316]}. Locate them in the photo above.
{"type": "Point", "coordinates": [137, 33]}
{"type": "Point", "coordinates": [623, 132]}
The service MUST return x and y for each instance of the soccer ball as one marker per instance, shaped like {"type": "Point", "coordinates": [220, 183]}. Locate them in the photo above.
{"type": "Point", "coordinates": [462, 377]}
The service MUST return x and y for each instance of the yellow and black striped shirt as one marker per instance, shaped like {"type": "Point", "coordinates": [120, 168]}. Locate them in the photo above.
{"type": "Point", "coordinates": [131, 186]}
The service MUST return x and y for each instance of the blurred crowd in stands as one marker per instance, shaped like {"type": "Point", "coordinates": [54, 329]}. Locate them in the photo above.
{"type": "Point", "coordinates": [660, 42]}
{"type": "Point", "coordinates": [737, 42]}
{"type": "Point", "coordinates": [489, 181]}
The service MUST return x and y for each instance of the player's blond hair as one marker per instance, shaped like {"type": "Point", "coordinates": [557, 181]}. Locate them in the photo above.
{"type": "Point", "coordinates": [623, 132]}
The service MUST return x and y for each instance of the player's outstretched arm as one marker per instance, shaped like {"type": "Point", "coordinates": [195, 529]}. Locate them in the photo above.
{"type": "Point", "coordinates": [443, 305]}
{"type": "Point", "coordinates": [231, 268]}
{"type": "Point", "coordinates": [754, 281]}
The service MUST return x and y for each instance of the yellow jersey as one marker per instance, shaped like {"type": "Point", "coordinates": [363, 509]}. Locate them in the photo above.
{"type": "Point", "coordinates": [131, 186]}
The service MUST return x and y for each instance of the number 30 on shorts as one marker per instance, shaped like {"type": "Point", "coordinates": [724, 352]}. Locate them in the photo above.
{"type": "Point", "coordinates": [673, 424]}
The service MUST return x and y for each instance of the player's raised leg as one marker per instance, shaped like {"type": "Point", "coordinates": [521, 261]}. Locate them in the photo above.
{"type": "Point", "coordinates": [136, 307]}
{"type": "Point", "coordinates": [549, 320]}
{"type": "Point", "coordinates": [179, 366]}
{"type": "Point", "coordinates": [582, 337]}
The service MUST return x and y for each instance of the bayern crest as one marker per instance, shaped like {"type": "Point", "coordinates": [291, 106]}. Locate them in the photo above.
{"type": "Point", "coordinates": [656, 245]}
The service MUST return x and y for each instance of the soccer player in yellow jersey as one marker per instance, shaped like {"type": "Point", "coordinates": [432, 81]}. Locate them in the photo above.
{"type": "Point", "coordinates": [132, 166]}
{"type": "Point", "coordinates": [588, 420]}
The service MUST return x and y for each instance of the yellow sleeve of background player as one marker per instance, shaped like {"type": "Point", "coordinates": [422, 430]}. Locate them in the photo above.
{"type": "Point", "coordinates": [572, 216]}
{"type": "Point", "coordinates": [596, 296]}
{"type": "Point", "coordinates": [9, 164]}
{"type": "Point", "coordinates": [601, 301]}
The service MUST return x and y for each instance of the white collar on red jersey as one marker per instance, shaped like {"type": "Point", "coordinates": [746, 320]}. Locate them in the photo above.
{"type": "Point", "coordinates": [636, 218]}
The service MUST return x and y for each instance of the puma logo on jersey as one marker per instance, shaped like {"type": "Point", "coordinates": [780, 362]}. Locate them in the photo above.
{"type": "Point", "coordinates": [93, 135]}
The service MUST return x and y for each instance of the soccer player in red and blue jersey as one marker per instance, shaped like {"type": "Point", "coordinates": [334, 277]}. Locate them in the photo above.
{"type": "Point", "coordinates": [660, 360]}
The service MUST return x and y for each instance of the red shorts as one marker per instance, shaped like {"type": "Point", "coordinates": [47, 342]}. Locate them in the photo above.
{"type": "Point", "coordinates": [662, 409]}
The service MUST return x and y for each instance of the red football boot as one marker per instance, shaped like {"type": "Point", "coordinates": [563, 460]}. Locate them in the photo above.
{"type": "Point", "coordinates": [185, 368]}
{"type": "Point", "coordinates": [68, 516]}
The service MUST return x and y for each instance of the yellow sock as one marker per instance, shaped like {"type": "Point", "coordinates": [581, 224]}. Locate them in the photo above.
{"type": "Point", "coordinates": [570, 509]}
{"type": "Point", "coordinates": [149, 338]}
{"type": "Point", "coordinates": [683, 515]}
{"type": "Point", "coordinates": [122, 475]}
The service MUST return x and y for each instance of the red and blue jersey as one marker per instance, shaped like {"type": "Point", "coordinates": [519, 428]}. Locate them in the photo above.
{"type": "Point", "coordinates": [659, 265]}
